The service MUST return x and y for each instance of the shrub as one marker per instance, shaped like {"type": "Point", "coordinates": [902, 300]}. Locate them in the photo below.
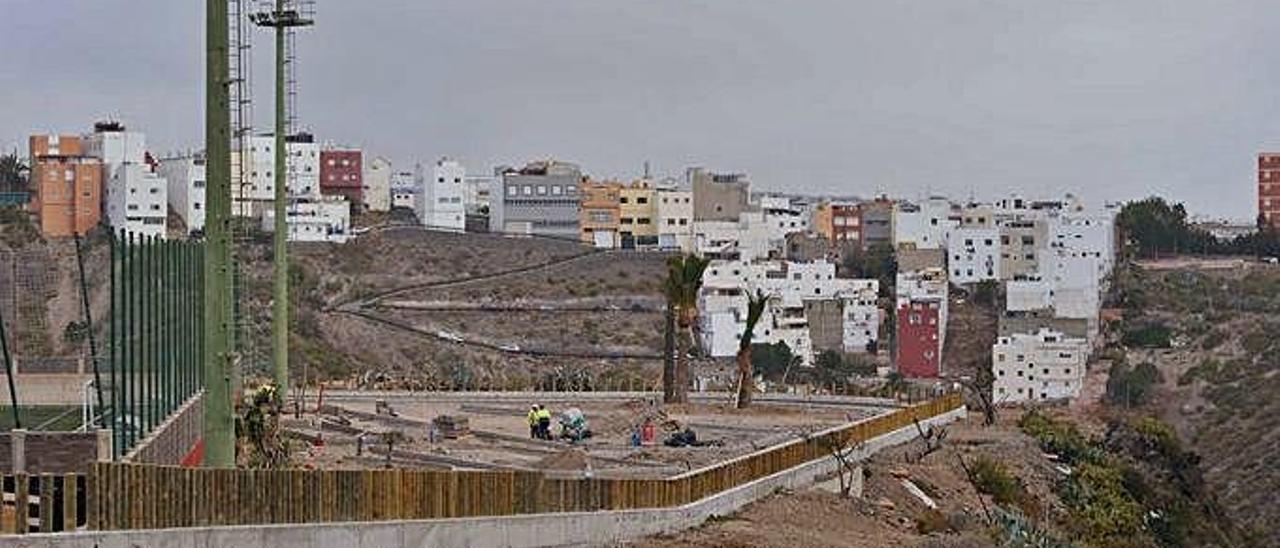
{"type": "Point", "coordinates": [1148, 336]}
{"type": "Point", "coordinates": [992, 478]}
{"type": "Point", "coordinates": [1214, 339]}
{"type": "Point", "coordinates": [1131, 387]}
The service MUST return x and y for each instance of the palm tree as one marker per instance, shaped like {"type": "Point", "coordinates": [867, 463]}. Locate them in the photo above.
{"type": "Point", "coordinates": [12, 173]}
{"type": "Point", "coordinates": [684, 281]}
{"type": "Point", "coordinates": [755, 309]}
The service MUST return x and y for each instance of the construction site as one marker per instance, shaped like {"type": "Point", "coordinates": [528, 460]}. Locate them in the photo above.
{"type": "Point", "coordinates": [602, 435]}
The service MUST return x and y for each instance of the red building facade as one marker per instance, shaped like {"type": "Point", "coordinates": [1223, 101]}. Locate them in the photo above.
{"type": "Point", "coordinates": [919, 351]}
{"type": "Point", "coordinates": [341, 174]}
{"type": "Point", "coordinates": [1269, 188]}
{"type": "Point", "coordinates": [846, 223]}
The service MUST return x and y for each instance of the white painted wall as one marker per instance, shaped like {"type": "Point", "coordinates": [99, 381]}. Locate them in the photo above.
{"type": "Point", "coordinates": [326, 220]}
{"type": "Point", "coordinates": [675, 219]}
{"type": "Point", "coordinates": [441, 205]}
{"type": "Point", "coordinates": [137, 200]}
{"type": "Point", "coordinates": [186, 188]}
{"type": "Point", "coordinates": [376, 191]}
{"type": "Point", "coordinates": [926, 227]}
{"type": "Point", "coordinates": [1045, 365]}
{"type": "Point", "coordinates": [973, 254]}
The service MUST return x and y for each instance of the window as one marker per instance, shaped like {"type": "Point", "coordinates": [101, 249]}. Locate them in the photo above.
{"type": "Point", "coordinates": [439, 179]}
{"type": "Point", "coordinates": [627, 220]}
{"type": "Point", "coordinates": [512, 191]}
{"type": "Point", "coordinates": [642, 200]}
{"type": "Point", "coordinates": [684, 222]}
{"type": "Point", "coordinates": [622, 200]}
{"type": "Point", "coordinates": [671, 222]}
{"type": "Point", "coordinates": [642, 220]}
{"type": "Point", "coordinates": [542, 190]}
{"type": "Point", "coordinates": [528, 190]}
{"type": "Point", "coordinates": [557, 190]}
{"type": "Point", "coordinates": [133, 207]}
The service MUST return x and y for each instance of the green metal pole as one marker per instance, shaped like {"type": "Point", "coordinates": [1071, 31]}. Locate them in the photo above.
{"type": "Point", "coordinates": [88, 323]}
{"type": "Point", "coordinates": [150, 291]}
{"type": "Point", "coordinates": [280, 308]}
{"type": "Point", "coordinates": [219, 426]}
{"type": "Point", "coordinates": [131, 341]}
{"type": "Point", "coordinates": [112, 313]}
{"type": "Point", "coordinates": [8, 370]}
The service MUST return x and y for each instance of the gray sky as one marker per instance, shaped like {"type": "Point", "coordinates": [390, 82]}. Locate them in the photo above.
{"type": "Point", "coordinates": [1108, 99]}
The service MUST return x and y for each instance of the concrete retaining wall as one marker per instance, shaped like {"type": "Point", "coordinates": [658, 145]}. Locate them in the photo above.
{"type": "Point", "coordinates": [544, 530]}
{"type": "Point", "coordinates": [175, 438]}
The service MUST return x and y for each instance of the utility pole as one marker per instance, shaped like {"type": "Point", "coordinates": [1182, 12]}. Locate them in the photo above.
{"type": "Point", "coordinates": [281, 20]}
{"type": "Point", "coordinates": [8, 371]}
{"type": "Point", "coordinates": [219, 425]}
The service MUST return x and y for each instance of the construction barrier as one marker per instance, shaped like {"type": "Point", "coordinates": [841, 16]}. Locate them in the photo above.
{"type": "Point", "coordinates": [44, 503]}
{"type": "Point", "coordinates": [138, 496]}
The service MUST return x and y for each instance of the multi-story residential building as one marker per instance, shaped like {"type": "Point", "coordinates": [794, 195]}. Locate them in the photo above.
{"type": "Point", "coordinates": [747, 239]}
{"type": "Point", "coordinates": [186, 192]}
{"type": "Point", "coordinates": [302, 182]}
{"type": "Point", "coordinates": [791, 287]}
{"type": "Point", "coordinates": [1045, 365]}
{"type": "Point", "coordinates": [538, 199]}
{"type": "Point", "coordinates": [846, 224]}
{"type": "Point", "coordinates": [1021, 243]}
{"type": "Point", "coordinates": [675, 219]}
{"type": "Point", "coordinates": [719, 196]}
{"type": "Point", "coordinates": [135, 195]}
{"type": "Point", "coordinates": [376, 185]}
{"type": "Point", "coordinates": [404, 188]}
{"type": "Point", "coordinates": [783, 218]}
{"type": "Point", "coordinates": [439, 197]}
{"type": "Point", "coordinates": [67, 184]}
{"type": "Point", "coordinates": [479, 193]}
{"type": "Point", "coordinates": [599, 213]}
{"type": "Point", "coordinates": [638, 215]}
{"type": "Point", "coordinates": [137, 200]}
{"type": "Point", "coordinates": [973, 254]}
{"type": "Point", "coordinates": [342, 174]}
{"type": "Point", "coordinates": [1269, 188]}
{"type": "Point", "coordinates": [325, 220]}
{"type": "Point", "coordinates": [924, 225]}
{"type": "Point", "coordinates": [921, 314]}
{"type": "Point", "coordinates": [877, 222]}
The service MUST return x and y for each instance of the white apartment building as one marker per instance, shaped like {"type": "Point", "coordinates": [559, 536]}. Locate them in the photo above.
{"type": "Point", "coordinates": [137, 200]}
{"type": "Point", "coordinates": [376, 185]}
{"type": "Point", "coordinates": [324, 220]}
{"type": "Point", "coordinates": [135, 195]}
{"type": "Point", "coordinates": [782, 218]}
{"type": "Point", "coordinates": [973, 254]}
{"type": "Point", "coordinates": [924, 226]}
{"type": "Point", "coordinates": [1045, 365]}
{"type": "Point", "coordinates": [439, 202]}
{"type": "Point", "coordinates": [727, 285]}
{"type": "Point", "coordinates": [404, 189]}
{"type": "Point", "coordinates": [744, 240]}
{"type": "Point", "coordinates": [860, 323]}
{"type": "Point", "coordinates": [186, 178]}
{"type": "Point", "coordinates": [675, 219]}
{"type": "Point", "coordinates": [302, 182]}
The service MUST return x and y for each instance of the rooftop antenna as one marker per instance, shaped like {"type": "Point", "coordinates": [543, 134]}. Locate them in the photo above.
{"type": "Point", "coordinates": [287, 16]}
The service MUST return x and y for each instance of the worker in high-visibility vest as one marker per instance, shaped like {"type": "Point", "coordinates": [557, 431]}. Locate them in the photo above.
{"type": "Point", "coordinates": [544, 422]}
{"type": "Point", "coordinates": [533, 421]}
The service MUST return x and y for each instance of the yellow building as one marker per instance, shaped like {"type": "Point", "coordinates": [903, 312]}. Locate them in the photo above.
{"type": "Point", "coordinates": [598, 213]}
{"type": "Point", "coordinates": [638, 215]}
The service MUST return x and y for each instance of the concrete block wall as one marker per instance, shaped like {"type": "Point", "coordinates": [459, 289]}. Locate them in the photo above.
{"type": "Point", "coordinates": [532, 531]}
{"type": "Point", "coordinates": [177, 436]}
{"type": "Point", "coordinates": [52, 452]}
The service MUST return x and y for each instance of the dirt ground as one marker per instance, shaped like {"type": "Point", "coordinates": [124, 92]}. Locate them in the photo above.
{"type": "Point", "coordinates": [887, 514]}
{"type": "Point", "coordinates": [500, 436]}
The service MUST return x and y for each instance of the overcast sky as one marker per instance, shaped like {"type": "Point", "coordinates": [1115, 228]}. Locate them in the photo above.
{"type": "Point", "coordinates": [1110, 99]}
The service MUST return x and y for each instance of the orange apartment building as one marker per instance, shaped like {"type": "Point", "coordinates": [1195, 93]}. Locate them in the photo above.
{"type": "Point", "coordinates": [67, 184]}
{"type": "Point", "coordinates": [1269, 188]}
{"type": "Point", "coordinates": [598, 213]}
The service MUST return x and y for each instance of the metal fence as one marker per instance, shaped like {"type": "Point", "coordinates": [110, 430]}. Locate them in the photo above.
{"type": "Point", "coordinates": [133, 496]}
{"type": "Point", "coordinates": [156, 334]}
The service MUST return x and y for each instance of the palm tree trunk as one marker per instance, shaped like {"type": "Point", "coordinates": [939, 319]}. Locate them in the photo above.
{"type": "Point", "coordinates": [669, 356]}
{"type": "Point", "coordinates": [680, 392]}
{"type": "Point", "coordinates": [744, 377]}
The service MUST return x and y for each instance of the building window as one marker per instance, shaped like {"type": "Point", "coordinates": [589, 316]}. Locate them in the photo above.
{"type": "Point", "coordinates": [684, 222]}
{"type": "Point", "coordinates": [542, 190]}
{"type": "Point", "coordinates": [528, 190]}
{"type": "Point", "coordinates": [557, 190]}
{"type": "Point", "coordinates": [626, 220]}
{"type": "Point", "coordinates": [642, 200]}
